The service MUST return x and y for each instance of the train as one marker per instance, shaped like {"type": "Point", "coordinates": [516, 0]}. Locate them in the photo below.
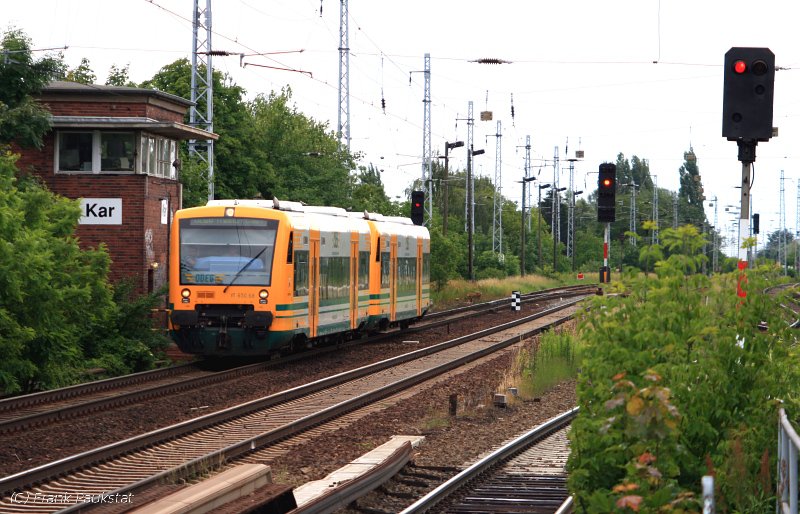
{"type": "Point", "coordinates": [254, 278]}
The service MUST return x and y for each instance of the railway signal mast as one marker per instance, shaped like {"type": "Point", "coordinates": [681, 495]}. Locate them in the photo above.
{"type": "Point", "coordinates": [747, 113]}
{"type": "Point", "coordinates": [606, 210]}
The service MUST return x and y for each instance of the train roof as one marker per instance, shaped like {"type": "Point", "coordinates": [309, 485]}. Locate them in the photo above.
{"type": "Point", "coordinates": [299, 207]}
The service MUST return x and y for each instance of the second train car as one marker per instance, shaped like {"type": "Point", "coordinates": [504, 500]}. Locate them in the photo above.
{"type": "Point", "coordinates": [255, 277]}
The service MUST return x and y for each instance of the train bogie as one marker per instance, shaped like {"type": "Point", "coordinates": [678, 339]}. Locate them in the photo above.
{"type": "Point", "coordinates": [253, 277]}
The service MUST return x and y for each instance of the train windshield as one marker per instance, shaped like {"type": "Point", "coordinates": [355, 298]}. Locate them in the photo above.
{"type": "Point", "coordinates": [227, 251]}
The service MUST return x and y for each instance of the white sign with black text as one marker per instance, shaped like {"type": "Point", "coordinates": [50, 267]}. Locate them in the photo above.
{"type": "Point", "coordinates": [165, 214]}
{"type": "Point", "coordinates": [101, 211]}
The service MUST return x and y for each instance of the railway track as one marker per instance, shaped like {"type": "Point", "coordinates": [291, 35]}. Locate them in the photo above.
{"type": "Point", "coordinates": [39, 409]}
{"type": "Point", "coordinates": [212, 440]}
{"type": "Point", "coordinates": [526, 475]}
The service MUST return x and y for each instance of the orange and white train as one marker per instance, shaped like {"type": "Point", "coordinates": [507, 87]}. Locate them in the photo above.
{"type": "Point", "coordinates": [253, 277]}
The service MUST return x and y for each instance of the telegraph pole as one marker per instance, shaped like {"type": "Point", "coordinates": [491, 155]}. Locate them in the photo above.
{"type": "Point", "coordinates": [447, 148]}
{"type": "Point", "coordinates": [539, 209]}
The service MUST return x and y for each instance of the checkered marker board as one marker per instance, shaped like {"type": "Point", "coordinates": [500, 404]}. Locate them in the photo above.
{"type": "Point", "coordinates": [516, 301]}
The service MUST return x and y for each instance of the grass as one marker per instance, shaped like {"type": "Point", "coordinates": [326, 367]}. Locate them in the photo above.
{"type": "Point", "coordinates": [435, 420]}
{"type": "Point", "coordinates": [457, 291]}
{"type": "Point", "coordinates": [554, 360]}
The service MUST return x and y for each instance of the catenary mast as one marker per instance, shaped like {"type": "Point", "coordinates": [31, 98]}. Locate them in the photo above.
{"type": "Point", "coordinates": [201, 113]}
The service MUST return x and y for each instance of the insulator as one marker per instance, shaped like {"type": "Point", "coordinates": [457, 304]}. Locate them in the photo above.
{"type": "Point", "coordinates": [491, 60]}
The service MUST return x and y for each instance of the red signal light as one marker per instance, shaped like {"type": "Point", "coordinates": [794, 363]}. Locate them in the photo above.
{"type": "Point", "coordinates": [740, 67]}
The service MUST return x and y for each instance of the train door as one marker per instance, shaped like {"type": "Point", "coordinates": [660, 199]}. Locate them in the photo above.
{"type": "Point", "coordinates": [393, 279]}
{"type": "Point", "coordinates": [419, 277]}
{"type": "Point", "coordinates": [354, 283]}
{"type": "Point", "coordinates": [313, 284]}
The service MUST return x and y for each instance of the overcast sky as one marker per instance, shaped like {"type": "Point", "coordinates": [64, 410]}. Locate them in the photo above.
{"type": "Point", "coordinates": [641, 77]}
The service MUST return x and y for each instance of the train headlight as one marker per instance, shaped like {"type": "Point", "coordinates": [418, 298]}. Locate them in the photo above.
{"type": "Point", "coordinates": [186, 293]}
{"type": "Point", "coordinates": [263, 294]}
{"type": "Point", "coordinates": [229, 211]}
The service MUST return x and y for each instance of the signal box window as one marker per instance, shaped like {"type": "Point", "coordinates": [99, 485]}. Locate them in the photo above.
{"type": "Point", "coordinates": [114, 152]}
{"type": "Point", "coordinates": [95, 151]}
{"type": "Point", "coordinates": [75, 151]}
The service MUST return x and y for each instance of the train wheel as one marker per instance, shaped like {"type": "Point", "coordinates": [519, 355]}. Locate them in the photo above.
{"type": "Point", "coordinates": [298, 343]}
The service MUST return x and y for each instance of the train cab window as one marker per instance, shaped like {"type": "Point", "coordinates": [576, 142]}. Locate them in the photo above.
{"type": "Point", "coordinates": [378, 250]}
{"type": "Point", "coordinates": [227, 251]}
{"type": "Point", "coordinates": [290, 250]}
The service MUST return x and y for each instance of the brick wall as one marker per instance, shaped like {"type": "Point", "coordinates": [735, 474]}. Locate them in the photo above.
{"type": "Point", "coordinates": [105, 108]}
{"type": "Point", "coordinates": [141, 240]}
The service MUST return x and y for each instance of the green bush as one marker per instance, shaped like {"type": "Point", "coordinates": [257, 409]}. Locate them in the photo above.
{"type": "Point", "coordinates": [678, 382]}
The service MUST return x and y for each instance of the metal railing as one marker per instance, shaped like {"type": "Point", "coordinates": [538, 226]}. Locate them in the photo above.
{"type": "Point", "coordinates": [788, 443]}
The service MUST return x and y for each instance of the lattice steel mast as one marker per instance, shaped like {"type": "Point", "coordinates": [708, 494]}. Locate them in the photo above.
{"type": "Point", "coordinates": [427, 171]}
{"type": "Point", "coordinates": [555, 208]}
{"type": "Point", "coordinates": [497, 219]}
{"type": "Point", "coordinates": [782, 237]}
{"type": "Point", "coordinates": [796, 230]}
{"type": "Point", "coordinates": [201, 113]}
{"type": "Point", "coordinates": [571, 210]}
{"type": "Point", "coordinates": [343, 126]}
{"type": "Point", "coordinates": [654, 239]}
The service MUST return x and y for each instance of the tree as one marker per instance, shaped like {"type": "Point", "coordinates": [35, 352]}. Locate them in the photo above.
{"type": "Point", "coordinates": [58, 312]}
{"type": "Point", "coordinates": [303, 159]}
{"type": "Point", "coordinates": [22, 120]}
{"type": "Point", "coordinates": [775, 240]}
{"type": "Point", "coordinates": [240, 167]}
{"type": "Point", "coordinates": [46, 284]}
{"type": "Point", "coordinates": [447, 256]}
{"type": "Point", "coordinates": [82, 74]}
{"type": "Point", "coordinates": [119, 76]}
{"type": "Point", "coordinates": [369, 195]}
{"type": "Point", "coordinates": [691, 191]}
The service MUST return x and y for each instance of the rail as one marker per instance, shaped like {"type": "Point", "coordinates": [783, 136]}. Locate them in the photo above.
{"type": "Point", "coordinates": [44, 473]}
{"type": "Point", "coordinates": [788, 443]}
{"type": "Point", "coordinates": [431, 499]}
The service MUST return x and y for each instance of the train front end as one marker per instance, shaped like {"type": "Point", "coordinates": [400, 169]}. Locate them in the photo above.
{"type": "Point", "coordinates": [224, 280]}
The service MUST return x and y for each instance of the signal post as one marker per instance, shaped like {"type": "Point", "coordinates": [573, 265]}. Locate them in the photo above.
{"type": "Point", "coordinates": [747, 114]}
{"type": "Point", "coordinates": [606, 211]}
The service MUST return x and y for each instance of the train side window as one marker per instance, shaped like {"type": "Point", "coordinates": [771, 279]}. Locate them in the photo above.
{"type": "Point", "coordinates": [290, 250]}
{"type": "Point", "coordinates": [301, 273]}
{"type": "Point", "coordinates": [363, 270]}
{"type": "Point", "coordinates": [385, 270]}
